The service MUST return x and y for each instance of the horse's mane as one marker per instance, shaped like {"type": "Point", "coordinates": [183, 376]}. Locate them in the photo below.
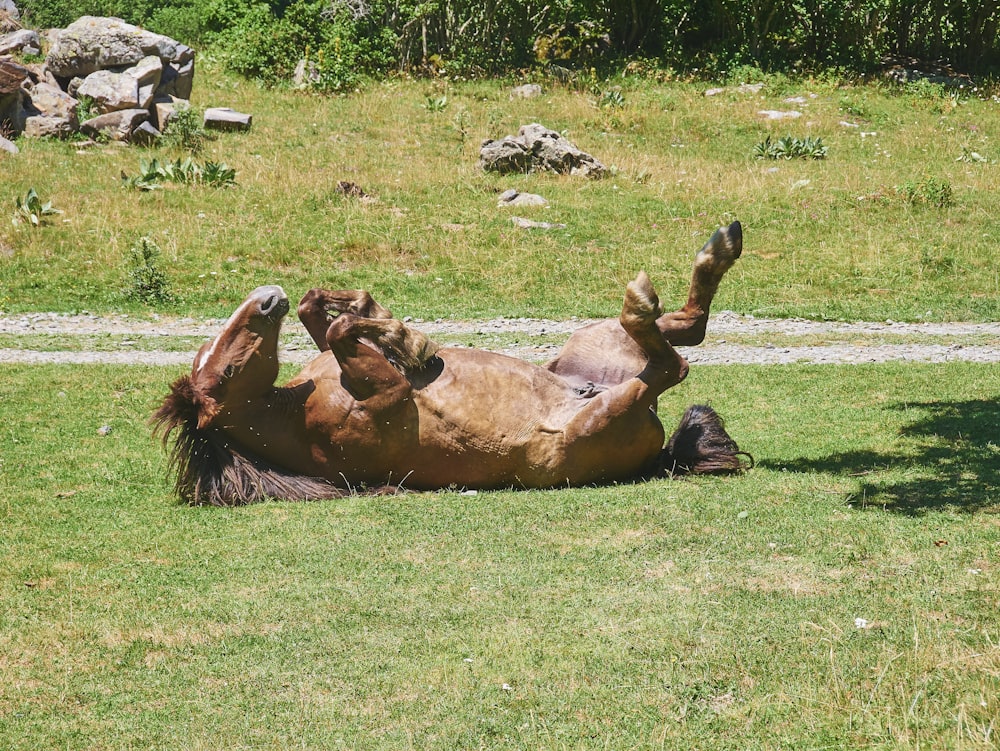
{"type": "Point", "coordinates": [211, 469]}
{"type": "Point", "coordinates": [701, 446]}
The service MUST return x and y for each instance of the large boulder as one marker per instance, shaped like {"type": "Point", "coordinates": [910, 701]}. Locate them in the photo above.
{"type": "Point", "coordinates": [537, 148]}
{"type": "Point", "coordinates": [50, 112]}
{"type": "Point", "coordinates": [93, 43]}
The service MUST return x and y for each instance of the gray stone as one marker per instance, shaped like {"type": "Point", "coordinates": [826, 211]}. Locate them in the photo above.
{"type": "Point", "coordinates": [536, 148]}
{"type": "Point", "coordinates": [526, 91]}
{"type": "Point", "coordinates": [8, 146]}
{"type": "Point", "coordinates": [18, 41]}
{"type": "Point", "coordinates": [47, 126]}
{"type": "Point", "coordinates": [514, 198]}
{"type": "Point", "coordinates": [94, 43]}
{"type": "Point", "coordinates": [164, 109]}
{"type": "Point", "coordinates": [110, 91]}
{"type": "Point", "coordinates": [224, 118]}
{"type": "Point", "coordinates": [147, 73]}
{"type": "Point", "coordinates": [521, 223]}
{"type": "Point", "coordinates": [51, 101]}
{"type": "Point", "coordinates": [118, 126]}
{"type": "Point", "coordinates": [306, 74]}
{"type": "Point", "coordinates": [506, 156]}
{"type": "Point", "coordinates": [144, 134]}
{"type": "Point", "coordinates": [10, 9]}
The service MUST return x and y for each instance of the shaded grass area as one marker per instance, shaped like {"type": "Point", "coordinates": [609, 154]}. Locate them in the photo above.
{"type": "Point", "coordinates": [839, 238]}
{"type": "Point", "coordinates": [711, 613]}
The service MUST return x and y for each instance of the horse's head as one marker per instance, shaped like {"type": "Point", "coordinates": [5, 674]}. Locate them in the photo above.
{"type": "Point", "coordinates": [242, 361]}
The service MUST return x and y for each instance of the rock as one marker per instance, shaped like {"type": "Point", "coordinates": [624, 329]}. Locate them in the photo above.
{"type": "Point", "coordinates": [165, 108]}
{"type": "Point", "coordinates": [780, 115]}
{"type": "Point", "coordinates": [526, 91]}
{"type": "Point", "coordinates": [224, 118]}
{"type": "Point", "coordinates": [521, 223]}
{"type": "Point", "coordinates": [47, 126]}
{"type": "Point", "coordinates": [18, 41]}
{"type": "Point", "coordinates": [118, 125]}
{"type": "Point", "coordinates": [176, 81]}
{"type": "Point", "coordinates": [12, 76]}
{"type": "Point", "coordinates": [8, 146]}
{"type": "Point", "coordinates": [9, 9]}
{"type": "Point", "coordinates": [306, 74]}
{"type": "Point", "coordinates": [94, 43]}
{"type": "Point", "coordinates": [514, 198]}
{"type": "Point", "coordinates": [144, 134]}
{"type": "Point", "coordinates": [51, 101]}
{"type": "Point", "coordinates": [110, 91]}
{"type": "Point", "coordinates": [147, 73]}
{"type": "Point", "coordinates": [537, 148]}
{"type": "Point", "coordinates": [505, 156]}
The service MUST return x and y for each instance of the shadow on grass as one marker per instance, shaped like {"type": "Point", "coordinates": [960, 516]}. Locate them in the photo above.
{"type": "Point", "coordinates": [952, 453]}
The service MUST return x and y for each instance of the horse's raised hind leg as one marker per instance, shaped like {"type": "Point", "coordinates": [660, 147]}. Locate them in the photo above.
{"type": "Point", "coordinates": [317, 304]}
{"type": "Point", "coordinates": [618, 429]}
{"type": "Point", "coordinates": [686, 327]}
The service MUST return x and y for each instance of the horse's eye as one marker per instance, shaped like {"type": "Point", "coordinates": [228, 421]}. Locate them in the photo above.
{"type": "Point", "coordinates": [228, 372]}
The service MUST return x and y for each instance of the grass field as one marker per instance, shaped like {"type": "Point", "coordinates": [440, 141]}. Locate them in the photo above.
{"type": "Point", "coordinates": [712, 613]}
{"type": "Point", "coordinates": [898, 221]}
{"type": "Point", "coordinates": [845, 593]}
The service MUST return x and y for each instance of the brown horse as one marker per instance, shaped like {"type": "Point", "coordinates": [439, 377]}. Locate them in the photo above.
{"type": "Point", "coordinates": [382, 405]}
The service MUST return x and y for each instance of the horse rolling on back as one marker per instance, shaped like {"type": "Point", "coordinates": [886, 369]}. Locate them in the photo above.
{"type": "Point", "coordinates": [382, 406]}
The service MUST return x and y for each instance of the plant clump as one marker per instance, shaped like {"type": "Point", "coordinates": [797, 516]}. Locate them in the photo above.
{"type": "Point", "coordinates": [146, 281]}
{"type": "Point", "coordinates": [788, 147]}
{"type": "Point", "coordinates": [31, 210]}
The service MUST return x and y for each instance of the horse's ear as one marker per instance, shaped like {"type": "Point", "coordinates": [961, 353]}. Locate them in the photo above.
{"type": "Point", "coordinates": [208, 408]}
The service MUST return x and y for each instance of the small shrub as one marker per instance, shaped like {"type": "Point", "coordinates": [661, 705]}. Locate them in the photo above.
{"type": "Point", "coordinates": [788, 147]}
{"type": "Point", "coordinates": [931, 191]}
{"type": "Point", "coordinates": [30, 209]}
{"type": "Point", "coordinates": [185, 130]}
{"type": "Point", "coordinates": [146, 282]}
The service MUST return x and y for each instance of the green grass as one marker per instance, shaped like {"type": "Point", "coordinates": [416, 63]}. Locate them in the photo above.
{"type": "Point", "coordinates": [854, 236]}
{"type": "Point", "coordinates": [712, 613]}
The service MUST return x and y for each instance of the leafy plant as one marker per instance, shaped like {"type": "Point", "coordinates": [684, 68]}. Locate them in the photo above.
{"type": "Point", "coordinates": [153, 173]}
{"type": "Point", "coordinates": [788, 147]}
{"type": "Point", "coordinates": [185, 129]}
{"type": "Point", "coordinates": [611, 99]}
{"type": "Point", "coordinates": [86, 108]}
{"type": "Point", "coordinates": [218, 174]}
{"type": "Point", "coordinates": [932, 191]}
{"type": "Point", "coordinates": [146, 281]}
{"type": "Point", "coordinates": [435, 104]}
{"type": "Point", "coordinates": [30, 209]}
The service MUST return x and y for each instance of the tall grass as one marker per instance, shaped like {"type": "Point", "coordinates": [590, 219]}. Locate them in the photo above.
{"type": "Point", "coordinates": [834, 238]}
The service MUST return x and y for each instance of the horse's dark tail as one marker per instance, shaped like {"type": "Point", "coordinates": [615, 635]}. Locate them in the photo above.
{"type": "Point", "coordinates": [701, 446]}
{"type": "Point", "coordinates": [211, 470]}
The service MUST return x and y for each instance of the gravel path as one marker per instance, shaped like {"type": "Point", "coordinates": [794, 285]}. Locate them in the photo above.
{"type": "Point", "coordinates": [296, 346]}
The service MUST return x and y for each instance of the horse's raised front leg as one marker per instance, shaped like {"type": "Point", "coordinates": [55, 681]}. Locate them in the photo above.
{"type": "Point", "coordinates": [319, 307]}
{"type": "Point", "coordinates": [375, 354]}
{"type": "Point", "coordinates": [686, 327]}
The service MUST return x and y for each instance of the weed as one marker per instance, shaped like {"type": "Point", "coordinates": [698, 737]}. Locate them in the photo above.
{"type": "Point", "coordinates": [146, 281]}
{"type": "Point", "coordinates": [788, 147]}
{"type": "Point", "coordinates": [435, 104]}
{"type": "Point", "coordinates": [611, 99]}
{"type": "Point", "coordinates": [86, 108]}
{"type": "Point", "coordinates": [931, 191]}
{"type": "Point", "coordinates": [185, 130]}
{"type": "Point", "coordinates": [153, 173]}
{"type": "Point", "coordinates": [30, 209]}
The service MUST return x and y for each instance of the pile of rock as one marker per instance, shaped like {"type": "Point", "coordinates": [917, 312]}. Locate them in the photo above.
{"type": "Point", "coordinates": [131, 79]}
{"type": "Point", "coordinates": [536, 148]}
